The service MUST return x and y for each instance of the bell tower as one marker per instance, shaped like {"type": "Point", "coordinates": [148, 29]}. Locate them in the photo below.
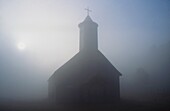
{"type": "Point", "coordinates": [88, 34]}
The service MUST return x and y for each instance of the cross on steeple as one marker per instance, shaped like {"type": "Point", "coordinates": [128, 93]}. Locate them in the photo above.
{"type": "Point", "coordinates": [88, 10]}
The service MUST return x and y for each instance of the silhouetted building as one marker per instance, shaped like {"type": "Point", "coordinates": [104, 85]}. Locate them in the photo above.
{"type": "Point", "coordinates": [88, 77]}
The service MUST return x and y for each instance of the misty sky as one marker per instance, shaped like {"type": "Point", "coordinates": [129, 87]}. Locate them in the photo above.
{"type": "Point", "coordinates": [128, 29]}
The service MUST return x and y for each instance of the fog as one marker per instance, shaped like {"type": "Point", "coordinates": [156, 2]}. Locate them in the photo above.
{"type": "Point", "coordinates": [134, 35]}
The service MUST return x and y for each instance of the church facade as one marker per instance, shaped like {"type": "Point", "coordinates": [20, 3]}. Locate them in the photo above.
{"type": "Point", "coordinates": [88, 77]}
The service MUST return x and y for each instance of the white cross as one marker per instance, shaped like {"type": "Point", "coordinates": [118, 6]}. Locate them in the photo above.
{"type": "Point", "coordinates": [88, 10]}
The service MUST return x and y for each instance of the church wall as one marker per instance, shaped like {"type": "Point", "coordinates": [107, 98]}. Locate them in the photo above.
{"type": "Point", "coordinates": [51, 92]}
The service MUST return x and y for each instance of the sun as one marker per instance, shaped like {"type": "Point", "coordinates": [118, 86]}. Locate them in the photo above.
{"type": "Point", "coordinates": [21, 46]}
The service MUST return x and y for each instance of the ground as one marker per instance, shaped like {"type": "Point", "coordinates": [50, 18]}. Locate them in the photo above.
{"type": "Point", "coordinates": [123, 105]}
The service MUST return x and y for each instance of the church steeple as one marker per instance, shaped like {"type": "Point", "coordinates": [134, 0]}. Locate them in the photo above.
{"type": "Point", "coordinates": [88, 35]}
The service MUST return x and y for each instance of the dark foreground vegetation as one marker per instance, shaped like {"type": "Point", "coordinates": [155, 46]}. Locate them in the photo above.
{"type": "Point", "coordinates": [123, 105]}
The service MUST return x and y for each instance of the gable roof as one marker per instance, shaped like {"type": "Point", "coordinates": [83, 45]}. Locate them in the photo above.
{"type": "Point", "coordinates": [84, 66]}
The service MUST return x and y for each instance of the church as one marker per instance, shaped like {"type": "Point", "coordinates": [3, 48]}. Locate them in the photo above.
{"type": "Point", "coordinates": [88, 77]}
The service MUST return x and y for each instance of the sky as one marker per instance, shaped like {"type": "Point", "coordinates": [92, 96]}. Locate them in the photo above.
{"type": "Point", "coordinates": [38, 36]}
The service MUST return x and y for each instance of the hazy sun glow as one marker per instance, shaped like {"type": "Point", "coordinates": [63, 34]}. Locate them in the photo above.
{"type": "Point", "coordinates": [21, 46]}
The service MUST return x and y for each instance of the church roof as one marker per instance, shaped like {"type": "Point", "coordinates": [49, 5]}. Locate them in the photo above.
{"type": "Point", "coordinates": [83, 67]}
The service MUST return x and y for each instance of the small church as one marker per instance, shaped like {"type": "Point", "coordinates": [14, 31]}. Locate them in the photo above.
{"type": "Point", "coordinates": [88, 77]}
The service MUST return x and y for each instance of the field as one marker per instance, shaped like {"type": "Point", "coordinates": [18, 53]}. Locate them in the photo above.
{"type": "Point", "coordinates": [123, 105]}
